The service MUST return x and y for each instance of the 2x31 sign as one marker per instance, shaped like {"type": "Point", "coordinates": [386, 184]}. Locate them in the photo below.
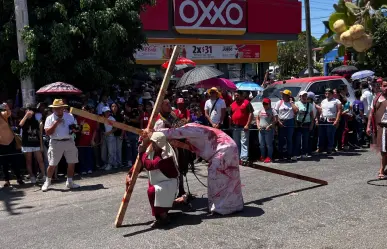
{"type": "Point", "coordinates": [206, 16]}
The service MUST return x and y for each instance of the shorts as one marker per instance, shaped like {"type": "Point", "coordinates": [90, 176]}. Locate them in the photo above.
{"type": "Point", "coordinates": [30, 149]}
{"type": "Point", "coordinates": [65, 148]}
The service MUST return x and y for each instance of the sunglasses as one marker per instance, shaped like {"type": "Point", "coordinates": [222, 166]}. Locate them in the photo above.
{"type": "Point", "coordinates": [265, 103]}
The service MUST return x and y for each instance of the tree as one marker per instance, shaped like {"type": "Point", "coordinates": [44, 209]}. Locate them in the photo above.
{"type": "Point", "coordinates": [8, 45]}
{"type": "Point", "coordinates": [350, 26]}
{"type": "Point", "coordinates": [376, 57]}
{"type": "Point", "coordinates": [292, 56]}
{"type": "Point", "coordinates": [87, 43]}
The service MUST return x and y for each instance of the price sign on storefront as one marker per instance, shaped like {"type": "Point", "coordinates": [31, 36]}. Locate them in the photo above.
{"type": "Point", "coordinates": [201, 52]}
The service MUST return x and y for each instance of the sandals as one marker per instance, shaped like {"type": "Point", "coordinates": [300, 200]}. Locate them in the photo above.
{"type": "Point", "coordinates": [381, 176]}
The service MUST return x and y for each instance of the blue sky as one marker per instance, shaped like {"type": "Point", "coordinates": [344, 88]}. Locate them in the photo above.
{"type": "Point", "coordinates": [320, 10]}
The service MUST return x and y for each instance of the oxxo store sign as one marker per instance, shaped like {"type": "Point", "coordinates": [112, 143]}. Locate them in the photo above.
{"type": "Point", "coordinates": [215, 17]}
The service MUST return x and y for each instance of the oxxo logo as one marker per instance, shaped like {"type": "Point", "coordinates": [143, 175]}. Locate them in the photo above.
{"type": "Point", "coordinates": [196, 19]}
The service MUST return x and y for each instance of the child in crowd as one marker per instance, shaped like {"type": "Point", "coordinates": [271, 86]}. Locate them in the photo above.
{"type": "Point", "coordinates": [198, 117]}
{"type": "Point", "coordinates": [266, 120]}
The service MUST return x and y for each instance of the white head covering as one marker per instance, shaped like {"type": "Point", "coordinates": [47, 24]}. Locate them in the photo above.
{"type": "Point", "coordinates": [167, 151]}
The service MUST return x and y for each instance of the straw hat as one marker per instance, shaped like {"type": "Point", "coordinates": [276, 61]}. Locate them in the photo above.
{"type": "Point", "coordinates": [214, 89]}
{"type": "Point", "coordinates": [58, 103]}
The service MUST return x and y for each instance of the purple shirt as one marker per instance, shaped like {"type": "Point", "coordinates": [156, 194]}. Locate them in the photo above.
{"type": "Point", "coordinates": [358, 107]}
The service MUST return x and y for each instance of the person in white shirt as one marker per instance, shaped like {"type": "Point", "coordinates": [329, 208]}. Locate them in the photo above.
{"type": "Point", "coordinates": [215, 108]}
{"type": "Point", "coordinates": [59, 126]}
{"type": "Point", "coordinates": [103, 103]}
{"type": "Point", "coordinates": [286, 110]}
{"type": "Point", "coordinates": [330, 114]}
{"type": "Point", "coordinates": [366, 98]}
{"type": "Point", "coordinates": [109, 145]}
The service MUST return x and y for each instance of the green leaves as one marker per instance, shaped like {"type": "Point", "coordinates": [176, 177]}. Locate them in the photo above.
{"type": "Point", "coordinates": [329, 46]}
{"type": "Point", "coordinates": [324, 37]}
{"type": "Point", "coordinates": [89, 43]}
{"type": "Point", "coordinates": [292, 56]}
{"type": "Point", "coordinates": [341, 51]}
{"type": "Point", "coordinates": [353, 8]}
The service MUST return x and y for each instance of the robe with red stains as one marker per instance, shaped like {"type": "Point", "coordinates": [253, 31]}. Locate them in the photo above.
{"type": "Point", "coordinates": [163, 182]}
{"type": "Point", "coordinates": [220, 150]}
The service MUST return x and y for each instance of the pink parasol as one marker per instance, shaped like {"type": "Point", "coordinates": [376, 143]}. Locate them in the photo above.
{"type": "Point", "coordinates": [221, 83]}
{"type": "Point", "coordinates": [59, 88]}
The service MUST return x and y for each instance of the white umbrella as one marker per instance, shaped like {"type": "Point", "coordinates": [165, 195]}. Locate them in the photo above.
{"type": "Point", "coordinates": [362, 74]}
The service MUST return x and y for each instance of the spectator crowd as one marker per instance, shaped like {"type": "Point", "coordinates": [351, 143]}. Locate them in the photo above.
{"type": "Point", "coordinates": [302, 125]}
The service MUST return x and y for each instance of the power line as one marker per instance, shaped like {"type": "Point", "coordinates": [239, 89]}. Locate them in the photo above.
{"type": "Point", "coordinates": [315, 18]}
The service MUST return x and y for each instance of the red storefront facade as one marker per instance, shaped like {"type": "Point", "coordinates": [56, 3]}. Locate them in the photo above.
{"type": "Point", "coordinates": [219, 32]}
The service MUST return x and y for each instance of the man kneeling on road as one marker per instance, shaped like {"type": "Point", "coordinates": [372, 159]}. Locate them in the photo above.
{"type": "Point", "coordinates": [59, 126]}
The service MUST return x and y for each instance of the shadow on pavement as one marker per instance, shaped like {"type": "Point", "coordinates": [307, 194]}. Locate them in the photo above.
{"type": "Point", "coordinates": [81, 189]}
{"type": "Point", "coordinates": [185, 219]}
{"type": "Point", "coordinates": [382, 182]}
{"type": "Point", "coordinates": [9, 197]}
{"type": "Point", "coordinates": [270, 198]}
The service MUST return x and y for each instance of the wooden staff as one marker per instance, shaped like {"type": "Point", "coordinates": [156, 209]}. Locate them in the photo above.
{"type": "Point", "coordinates": [155, 112]}
{"type": "Point", "coordinates": [104, 120]}
{"type": "Point", "coordinates": [288, 174]}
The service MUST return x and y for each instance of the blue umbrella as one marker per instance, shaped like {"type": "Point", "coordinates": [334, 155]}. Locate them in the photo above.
{"type": "Point", "coordinates": [362, 74]}
{"type": "Point", "coordinates": [248, 86]}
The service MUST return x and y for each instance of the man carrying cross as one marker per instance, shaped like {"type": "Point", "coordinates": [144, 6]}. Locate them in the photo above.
{"type": "Point", "coordinates": [161, 164]}
{"type": "Point", "coordinates": [213, 145]}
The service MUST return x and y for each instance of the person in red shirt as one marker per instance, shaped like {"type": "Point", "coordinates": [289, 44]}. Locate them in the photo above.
{"type": "Point", "coordinates": [182, 112]}
{"type": "Point", "coordinates": [86, 142]}
{"type": "Point", "coordinates": [145, 116]}
{"type": "Point", "coordinates": [242, 114]}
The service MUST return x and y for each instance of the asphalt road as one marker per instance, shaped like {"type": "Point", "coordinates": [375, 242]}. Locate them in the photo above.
{"type": "Point", "coordinates": [280, 212]}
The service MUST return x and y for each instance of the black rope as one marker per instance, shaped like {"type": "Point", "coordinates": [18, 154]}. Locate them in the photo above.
{"type": "Point", "coordinates": [193, 172]}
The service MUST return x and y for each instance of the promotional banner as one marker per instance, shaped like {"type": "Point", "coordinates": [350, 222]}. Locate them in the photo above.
{"type": "Point", "coordinates": [201, 51]}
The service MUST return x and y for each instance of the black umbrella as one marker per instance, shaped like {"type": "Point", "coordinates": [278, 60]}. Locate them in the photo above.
{"type": "Point", "coordinates": [198, 74]}
{"type": "Point", "coordinates": [344, 70]}
{"type": "Point", "coordinates": [305, 73]}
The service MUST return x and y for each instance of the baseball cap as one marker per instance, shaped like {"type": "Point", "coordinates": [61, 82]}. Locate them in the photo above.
{"type": "Point", "coordinates": [105, 109]}
{"type": "Point", "coordinates": [287, 92]}
{"type": "Point", "coordinates": [180, 101]}
{"type": "Point", "coordinates": [311, 95]}
{"type": "Point", "coordinates": [266, 101]}
{"type": "Point", "coordinates": [303, 92]}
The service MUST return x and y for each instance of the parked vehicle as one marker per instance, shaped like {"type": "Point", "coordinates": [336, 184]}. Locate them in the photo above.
{"type": "Point", "coordinates": [317, 85]}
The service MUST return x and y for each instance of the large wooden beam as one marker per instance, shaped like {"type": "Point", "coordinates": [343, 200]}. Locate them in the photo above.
{"type": "Point", "coordinates": [99, 119]}
{"type": "Point", "coordinates": [155, 112]}
{"type": "Point", "coordinates": [104, 120]}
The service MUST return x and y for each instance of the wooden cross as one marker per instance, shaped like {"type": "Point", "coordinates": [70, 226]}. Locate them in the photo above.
{"type": "Point", "coordinates": [151, 124]}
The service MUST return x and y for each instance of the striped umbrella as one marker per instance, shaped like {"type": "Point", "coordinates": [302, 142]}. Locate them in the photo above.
{"type": "Point", "coordinates": [198, 74]}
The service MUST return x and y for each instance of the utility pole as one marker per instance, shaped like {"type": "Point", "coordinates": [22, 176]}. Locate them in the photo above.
{"type": "Point", "coordinates": [308, 37]}
{"type": "Point", "coordinates": [21, 16]}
